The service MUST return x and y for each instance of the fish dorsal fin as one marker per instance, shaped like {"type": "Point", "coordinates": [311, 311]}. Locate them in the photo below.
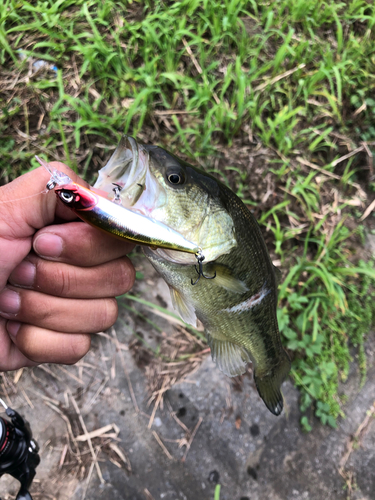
{"type": "Point", "coordinates": [184, 309]}
{"type": "Point", "coordinates": [230, 358]}
{"type": "Point", "coordinates": [224, 278]}
{"type": "Point", "coordinates": [278, 275]}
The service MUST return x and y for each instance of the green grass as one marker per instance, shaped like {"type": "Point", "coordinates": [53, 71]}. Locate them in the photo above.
{"type": "Point", "coordinates": [286, 83]}
{"type": "Point", "coordinates": [217, 492]}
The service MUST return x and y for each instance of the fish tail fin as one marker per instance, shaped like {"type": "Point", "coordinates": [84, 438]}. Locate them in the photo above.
{"type": "Point", "coordinates": [269, 385]}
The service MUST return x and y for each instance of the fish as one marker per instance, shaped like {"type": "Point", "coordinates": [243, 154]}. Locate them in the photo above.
{"type": "Point", "coordinates": [112, 218]}
{"type": "Point", "coordinates": [237, 302]}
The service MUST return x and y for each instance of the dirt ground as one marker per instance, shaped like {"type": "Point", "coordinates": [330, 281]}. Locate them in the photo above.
{"type": "Point", "coordinates": [209, 430]}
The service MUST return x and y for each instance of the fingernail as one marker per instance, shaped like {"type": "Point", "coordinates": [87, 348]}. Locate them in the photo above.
{"type": "Point", "coordinates": [48, 245]}
{"type": "Point", "coordinates": [13, 327]}
{"type": "Point", "coordinates": [23, 274]}
{"type": "Point", "coordinates": [10, 302]}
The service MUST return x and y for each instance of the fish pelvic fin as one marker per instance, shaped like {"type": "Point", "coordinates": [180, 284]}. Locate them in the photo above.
{"type": "Point", "coordinates": [230, 358]}
{"type": "Point", "coordinates": [184, 309]}
{"type": "Point", "coordinates": [224, 278]}
{"type": "Point", "coordinates": [269, 385]}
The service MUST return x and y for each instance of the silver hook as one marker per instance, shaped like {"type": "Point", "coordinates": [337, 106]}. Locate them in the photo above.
{"type": "Point", "coordinates": [117, 191]}
{"type": "Point", "coordinates": [200, 258]}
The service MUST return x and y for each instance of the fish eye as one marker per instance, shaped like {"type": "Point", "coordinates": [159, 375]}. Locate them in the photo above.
{"type": "Point", "coordinates": [67, 196]}
{"type": "Point", "coordinates": [175, 178]}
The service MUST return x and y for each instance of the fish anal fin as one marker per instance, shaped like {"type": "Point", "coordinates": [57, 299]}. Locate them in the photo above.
{"type": "Point", "coordinates": [268, 385]}
{"type": "Point", "coordinates": [184, 309]}
{"type": "Point", "coordinates": [230, 358]}
{"type": "Point", "coordinates": [224, 278]}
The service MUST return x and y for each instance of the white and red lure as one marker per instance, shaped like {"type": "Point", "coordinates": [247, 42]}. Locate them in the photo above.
{"type": "Point", "coordinates": [113, 218]}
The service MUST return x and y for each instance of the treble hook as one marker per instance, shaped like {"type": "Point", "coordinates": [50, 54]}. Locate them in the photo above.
{"type": "Point", "coordinates": [117, 191]}
{"type": "Point", "coordinates": [200, 259]}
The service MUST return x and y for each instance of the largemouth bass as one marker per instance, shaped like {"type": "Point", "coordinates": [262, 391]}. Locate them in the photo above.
{"type": "Point", "coordinates": [238, 306]}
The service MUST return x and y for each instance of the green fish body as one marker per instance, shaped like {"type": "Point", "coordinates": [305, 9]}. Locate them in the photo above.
{"type": "Point", "coordinates": [238, 305]}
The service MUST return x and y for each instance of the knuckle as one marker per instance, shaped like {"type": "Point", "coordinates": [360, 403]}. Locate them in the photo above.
{"type": "Point", "coordinates": [62, 282]}
{"type": "Point", "coordinates": [106, 314]}
{"type": "Point", "coordinates": [68, 283]}
{"type": "Point", "coordinates": [42, 314]}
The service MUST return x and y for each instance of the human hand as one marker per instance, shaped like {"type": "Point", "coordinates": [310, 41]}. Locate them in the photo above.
{"type": "Point", "coordinates": [61, 291]}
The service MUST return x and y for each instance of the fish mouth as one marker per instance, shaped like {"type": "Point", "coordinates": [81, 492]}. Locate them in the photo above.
{"type": "Point", "coordinates": [128, 171]}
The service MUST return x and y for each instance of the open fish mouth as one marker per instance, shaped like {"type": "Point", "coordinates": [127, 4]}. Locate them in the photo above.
{"type": "Point", "coordinates": [138, 177]}
{"type": "Point", "coordinates": [128, 171]}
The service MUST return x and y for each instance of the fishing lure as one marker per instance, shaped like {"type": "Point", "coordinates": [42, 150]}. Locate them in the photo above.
{"type": "Point", "coordinates": [115, 219]}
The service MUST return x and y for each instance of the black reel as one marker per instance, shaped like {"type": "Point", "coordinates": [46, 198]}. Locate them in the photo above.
{"type": "Point", "coordinates": [18, 451]}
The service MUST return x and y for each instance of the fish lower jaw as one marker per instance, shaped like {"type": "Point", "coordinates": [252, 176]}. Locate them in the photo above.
{"type": "Point", "coordinates": [175, 256]}
{"type": "Point", "coordinates": [146, 212]}
{"type": "Point", "coordinates": [187, 259]}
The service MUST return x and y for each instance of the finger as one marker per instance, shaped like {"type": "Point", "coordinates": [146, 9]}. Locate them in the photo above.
{"type": "Point", "coordinates": [11, 358]}
{"type": "Point", "coordinates": [25, 207]}
{"type": "Point", "coordinates": [78, 244]}
{"type": "Point", "coordinates": [55, 313]}
{"type": "Point", "coordinates": [39, 345]}
{"type": "Point", "coordinates": [63, 280]}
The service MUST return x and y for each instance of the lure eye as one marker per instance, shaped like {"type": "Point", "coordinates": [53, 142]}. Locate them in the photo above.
{"type": "Point", "coordinates": [67, 196]}
{"type": "Point", "coordinates": [175, 178]}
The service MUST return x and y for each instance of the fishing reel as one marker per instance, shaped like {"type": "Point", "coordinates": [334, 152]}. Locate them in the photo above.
{"type": "Point", "coordinates": [18, 451]}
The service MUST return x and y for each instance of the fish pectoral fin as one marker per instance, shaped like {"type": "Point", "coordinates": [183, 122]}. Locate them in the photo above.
{"type": "Point", "coordinates": [184, 309]}
{"type": "Point", "coordinates": [230, 358]}
{"type": "Point", "coordinates": [269, 385]}
{"type": "Point", "coordinates": [224, 278]}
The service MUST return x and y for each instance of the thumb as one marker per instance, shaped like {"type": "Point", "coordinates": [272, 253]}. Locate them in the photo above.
{"type": "Point", "coordinates": [25, 208]}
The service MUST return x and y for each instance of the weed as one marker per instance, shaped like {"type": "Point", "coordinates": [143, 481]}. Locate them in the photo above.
{"type": "Point", "coordinates": [217, 492]}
